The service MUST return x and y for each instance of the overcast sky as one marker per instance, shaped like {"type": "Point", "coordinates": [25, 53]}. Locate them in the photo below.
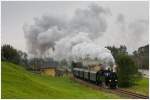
{"type": "Point", "coordinates": [16, 14]}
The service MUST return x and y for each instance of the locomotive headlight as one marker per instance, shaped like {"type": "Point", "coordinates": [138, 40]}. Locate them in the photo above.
{"type": "Point", "coordinates": [116, 80]}
{"type": "Point", "coordinates": [109, 80]}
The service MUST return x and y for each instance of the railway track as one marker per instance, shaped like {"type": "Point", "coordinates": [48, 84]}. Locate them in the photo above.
{"type": "Point", "coordinates": [131, 94]}
{"type": "Point", "coordinates": [119, 91]}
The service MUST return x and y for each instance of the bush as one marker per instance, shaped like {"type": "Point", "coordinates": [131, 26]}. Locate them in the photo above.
{"type": "Point", "coordinates": [126, 70]}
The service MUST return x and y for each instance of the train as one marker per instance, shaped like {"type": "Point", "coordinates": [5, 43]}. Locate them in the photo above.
{"type": "Point", "coordinates": [105, 78]}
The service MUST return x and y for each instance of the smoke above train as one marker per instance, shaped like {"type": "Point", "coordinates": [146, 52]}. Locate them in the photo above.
{"type": "Point", "coordinates": [75, 39]}
{"type": "Point", "coordinates": [81, 48]}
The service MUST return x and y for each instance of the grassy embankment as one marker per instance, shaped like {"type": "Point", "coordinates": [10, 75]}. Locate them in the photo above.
{"type": "Point", "coordinates": [19, 83]}
{"type": "Point", "coordinates": [141, 86]}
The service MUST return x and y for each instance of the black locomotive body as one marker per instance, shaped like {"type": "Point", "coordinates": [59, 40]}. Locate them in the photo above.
{"type": "Point", "coordinates": [104, 78]}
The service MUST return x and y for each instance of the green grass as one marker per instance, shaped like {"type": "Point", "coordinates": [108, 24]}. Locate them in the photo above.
{"type": "Point", "coordinates": [19, 83]}
{"type": "Point", "coordinates": [141, 86]}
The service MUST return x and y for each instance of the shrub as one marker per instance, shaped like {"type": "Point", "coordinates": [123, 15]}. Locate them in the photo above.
{"type": "Point", "coordinates": [126, 70]}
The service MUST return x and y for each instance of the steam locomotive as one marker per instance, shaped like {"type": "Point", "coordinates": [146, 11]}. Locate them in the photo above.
{"type": "Point", "coordinates": [104, 78]}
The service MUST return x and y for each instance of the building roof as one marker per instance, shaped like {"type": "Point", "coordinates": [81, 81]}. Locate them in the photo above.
{"type": "Point", "coordinates": [47, 67]}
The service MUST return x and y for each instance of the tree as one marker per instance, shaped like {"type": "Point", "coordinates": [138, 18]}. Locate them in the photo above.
{"type": "Point", "coordinates": [141, 57]}
{"type": "Point", "coordinates": [23, 58]}
{"type": "Point", "coordinates": [126, 70]}
{"type": "Point", "coordinates": [116, 51]}
{"type": "Point", "coordinates": [10, 54]}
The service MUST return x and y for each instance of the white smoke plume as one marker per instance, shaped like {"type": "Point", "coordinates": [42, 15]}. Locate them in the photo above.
{"type": "Point", "coordinates": [79, 48]}
{"type": "Point", "coordinates": [47, 30]}
{"type": "Point", "coordinates": [76, 38]}
{"type": "Point", "coordinates": [43, 33]}
{"type": "Point", "coordinates": [92, 51]}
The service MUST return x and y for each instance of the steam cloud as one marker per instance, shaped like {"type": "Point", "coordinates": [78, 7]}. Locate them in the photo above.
{"type": "Point", "coordinates": [133, 34]}
{"type": "Point", "coordinates": [76, 39]}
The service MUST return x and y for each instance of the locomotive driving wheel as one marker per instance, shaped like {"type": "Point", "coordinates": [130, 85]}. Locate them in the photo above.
{"type": "Point", "coordinates": [104, 85]}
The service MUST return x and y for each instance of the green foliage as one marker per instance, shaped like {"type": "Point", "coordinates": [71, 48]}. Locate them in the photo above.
{"type": "Point", "coordinates": [126, 70]}
{"type": "Point", "coordinates": [8, 53]}
{"type": "Point", "coordinates": [141, 86]}
{"type": "Point", "coordinates": [126, 67]}
{"type": "Point", "coordinates": [141, 57]}
{"type": "Point", "coordinates": [19, 83]}
{"type": "Point", "coordinates": [117, 51]}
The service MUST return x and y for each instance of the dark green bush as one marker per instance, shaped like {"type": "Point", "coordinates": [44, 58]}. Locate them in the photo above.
{"type": "Point", "coordinates": [126, 70]}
